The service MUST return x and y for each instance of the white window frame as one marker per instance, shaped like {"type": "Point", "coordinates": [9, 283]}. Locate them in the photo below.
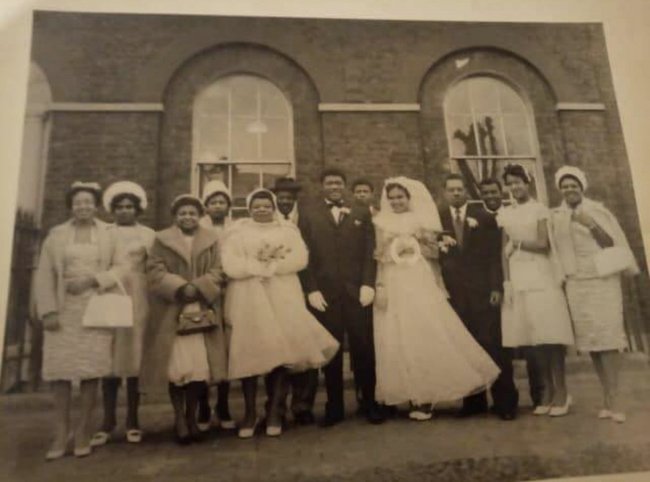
{"type": "Point", "coordinates": [227, 160]}
{"type": "Point", "coordinates": [540, 183]}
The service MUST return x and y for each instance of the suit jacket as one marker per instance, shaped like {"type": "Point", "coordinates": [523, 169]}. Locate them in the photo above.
{"type": "Point", "coordinates": [341, 256]}
{"type": "Point", "coordinates": [473, 271]}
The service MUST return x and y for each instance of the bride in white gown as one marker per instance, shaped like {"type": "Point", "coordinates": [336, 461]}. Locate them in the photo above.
{"type": "Point", "coordinates": [424, 354]}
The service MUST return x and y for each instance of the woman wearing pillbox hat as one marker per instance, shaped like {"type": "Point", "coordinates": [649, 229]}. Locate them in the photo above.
{"type": "Point", "coordinates": [217, 201]}
{"type": "Point", "coordinates": [126, 201]}
{"type": "Point", "coordinates": [587, 237]}
{"type": "Point", "coordinates": [184, 339]}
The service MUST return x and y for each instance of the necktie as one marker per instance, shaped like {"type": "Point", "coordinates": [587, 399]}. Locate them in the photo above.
{"type": "Point", "coordinates": [286, 216]}
{"type": "Point", "coordinates": [458, 227]}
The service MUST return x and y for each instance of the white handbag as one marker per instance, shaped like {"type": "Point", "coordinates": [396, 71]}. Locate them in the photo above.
{"type": "Point", "coordinates": [109, 310]}
{"type": "Point", "coordinates": [613, 260]}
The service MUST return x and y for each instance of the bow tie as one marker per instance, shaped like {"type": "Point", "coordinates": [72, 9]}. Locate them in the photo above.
{"type": "Point", "coordinates": [331, 204]}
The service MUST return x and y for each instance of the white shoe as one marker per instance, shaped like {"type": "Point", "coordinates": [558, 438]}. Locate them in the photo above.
{"type": "Point", "coordinates": [204, 426]}
{"type": "Point", "coordinates": [134, 435]}
{"type": "Point", "coordinates": [619, 417]}
{"type": "Point", "coordinates": [274, 431]}
{"type": "Point", "coordinates": [227, 424]}
{"type": "Point", "coordinates": [248, 432]}
{"type": "Point", "coordinates": [100, 438]}
{"type": "Point", "coordinates": [542, 410]}
{"type": "Point", "coordinates": [54, 454]}
{"type": "Point", "coordinates": [420, 416]}
{"type": "Point", "coordinates": [563, 410]}
{"type": "Point", "coordinates": [83, 451]}
{"type": "Point", "coordinates": [605, 413]}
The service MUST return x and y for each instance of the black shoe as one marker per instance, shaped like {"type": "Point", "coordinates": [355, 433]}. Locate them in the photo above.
{"type": "Point", "coordinates": [331, 420]}
{"type": "Point", "coordinates": [508, 415]}
{"type": "Point", "coordinates": [304, 418]}
{"type": "Point", "coordinates": [375, 415]}
{"type": "Point", "coordinates": [466, 412]}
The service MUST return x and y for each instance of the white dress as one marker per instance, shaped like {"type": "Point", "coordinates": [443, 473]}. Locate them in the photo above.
{"type": "Point", "coordinates": [538, 313]}
{"type": "Point", "coordinates": [189, 357]}
{"type": "Point", "coordinates": [271, 326]}
{"type": "Point", "coordinates": [424, 353]}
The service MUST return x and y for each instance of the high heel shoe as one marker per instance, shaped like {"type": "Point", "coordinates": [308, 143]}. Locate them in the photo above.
{"type": "Point", "coordinates": [83, 451]}
{"type": "Point", "coordinates": [100, 438]}
{"type": "Point", "coordinates": [273, 430]}
{"type": "Point", "coordinates": [605, 413]}
{"type": "Point", "coordinates": [542, 410]}
{"type": "Point", "coordinates": [54, 454]}
{"type": "Point", "coordinates": [563, 410]}
{"type": "Point", "coordinates": [618, 417]}
{"type": "Point", "coordinates": [249, 432]}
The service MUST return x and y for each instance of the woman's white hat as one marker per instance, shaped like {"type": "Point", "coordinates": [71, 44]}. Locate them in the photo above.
{"type": "Point", "coordinates": [250, 196]}
{"type": "Point", "coordinates": [215, 187]}
{"type": "Point", "coordinates": [571, 171]}
{"type": "Point", "coordinates": [124, 187]}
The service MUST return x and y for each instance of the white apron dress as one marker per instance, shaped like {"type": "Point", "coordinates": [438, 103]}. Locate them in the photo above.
{"type": "Point", "coordinates": [538, 313]}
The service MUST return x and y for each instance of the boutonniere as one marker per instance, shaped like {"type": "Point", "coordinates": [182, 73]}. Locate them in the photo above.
{"type": "Point", "coordinates": [472, 223]}
{"type": "Point", "coordinates": [345, 210]}
{"type": "Point", "coordinates": [357, 222]}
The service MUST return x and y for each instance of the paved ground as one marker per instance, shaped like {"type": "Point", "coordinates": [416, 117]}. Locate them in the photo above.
{"type": "Point", "coordinates": [445, 449]}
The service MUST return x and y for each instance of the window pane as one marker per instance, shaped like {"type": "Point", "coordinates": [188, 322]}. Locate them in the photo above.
{"type": "Point", "coordinates": [461, 133]}
{"type": "Point", "coordinates": [244, 180]}
{"type": "Point", "coordinates": [518, 135]}
{"type": "Point", "coordinates": [275, 141]}
{"type": "Point", "coordinates": [490, 135]}
{"type": "Point", "coordinates": [457, 101]}
{"type": "Point", "coordinates": [245, 140]}
{"type": "Point", "coordinates": [510, 101]}
{"type": "Point", "coordinates": [270, 173]}
{"type": "Point", "coordinates": [211, 142]}
{"type": "Point", "coordinates": [274, 104]}
{"type": "Point", "coordinates": [214, 100]}
{"type": "Point", "coordinates": [484, 95]}
{"type": "Point", "coordinates": [244, 96]}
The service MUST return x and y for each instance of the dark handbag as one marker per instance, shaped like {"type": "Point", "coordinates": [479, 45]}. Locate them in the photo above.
{"type": "Point", "coordinates": [196, 321]}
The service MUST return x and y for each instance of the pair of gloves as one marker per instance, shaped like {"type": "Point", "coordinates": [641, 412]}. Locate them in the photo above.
{"type": "Point", "coordinates": [317, 300]}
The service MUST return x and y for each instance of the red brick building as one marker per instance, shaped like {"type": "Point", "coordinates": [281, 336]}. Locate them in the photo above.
{"type": "Point", "coordinates": [170, 101]}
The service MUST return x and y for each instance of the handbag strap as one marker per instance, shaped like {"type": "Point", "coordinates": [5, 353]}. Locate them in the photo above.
{"type": "Point", "coordinates": [118, 282]}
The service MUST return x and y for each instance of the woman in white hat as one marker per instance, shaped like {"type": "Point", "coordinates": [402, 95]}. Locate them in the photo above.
{"type": "Point", "coordinates": [594, 253]}
{"type": "Point", "coordinates": [78, 259]}
{"type": "Point", "coordinates": [126, 201]}
{"type": "Point", "coordinates": [184, 339]}
{"type": "Point", "coordinates": [272, 330]}
{"type": "Point", "coordinates": [217, 201]}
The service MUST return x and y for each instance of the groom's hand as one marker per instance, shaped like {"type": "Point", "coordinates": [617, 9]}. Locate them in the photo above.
{"type": "Point", "coordinates": [366, 295]}
{"type": "Point", "coordinates": [317, 301]}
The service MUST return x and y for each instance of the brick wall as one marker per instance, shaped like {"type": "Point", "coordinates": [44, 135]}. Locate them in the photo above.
{"type": "Point", "coordinates": [100, 147]}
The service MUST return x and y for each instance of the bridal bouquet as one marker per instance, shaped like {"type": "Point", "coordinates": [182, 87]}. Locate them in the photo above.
{"type": "Point", "coordinates": [405, 249]}
{"type": "Point", "coordinates": [269, 253]}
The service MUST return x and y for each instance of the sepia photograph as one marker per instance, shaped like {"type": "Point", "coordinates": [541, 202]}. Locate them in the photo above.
{"type": "Point", "coordinates": [300, 248]}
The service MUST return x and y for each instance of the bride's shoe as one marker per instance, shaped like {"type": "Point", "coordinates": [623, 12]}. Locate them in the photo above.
{"type": "Point", "coordinates": [420, 415]}
{"type": "Point", "coordinates": [619, 417]}
{"type": "Point", "coordinates": [562, 410]}
{"type": "Point", "coordinates": [605, 413]}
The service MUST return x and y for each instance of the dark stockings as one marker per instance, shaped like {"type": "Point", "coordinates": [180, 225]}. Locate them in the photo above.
{"type": "Point", "coordinates": [110, 387]}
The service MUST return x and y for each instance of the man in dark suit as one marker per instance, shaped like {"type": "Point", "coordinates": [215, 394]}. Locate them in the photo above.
{"type": "Point", "coordinates": [473, 276]}
{"type": "Point", "coordinates": [339, 281]}
{"type": "Point", "coordinates": [492, 195]}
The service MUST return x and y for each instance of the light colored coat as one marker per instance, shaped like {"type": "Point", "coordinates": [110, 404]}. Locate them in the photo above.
{"type": "Point", "coordinates": [49, 285]}
{"type": "Point", "coordinates": [168, 269]}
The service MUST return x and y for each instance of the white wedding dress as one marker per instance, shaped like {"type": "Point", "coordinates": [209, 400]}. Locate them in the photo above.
{"type": "Point", "coordinates": [424, 353]}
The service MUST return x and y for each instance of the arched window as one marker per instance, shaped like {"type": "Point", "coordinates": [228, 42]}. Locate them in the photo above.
{"type": "Point", "coordinates": [488, 126]}
{"type": "Point", "coordinates": [242, 133]}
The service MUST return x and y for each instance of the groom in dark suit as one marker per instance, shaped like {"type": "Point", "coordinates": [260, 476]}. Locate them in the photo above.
{"type": "Point", "coordinates": [339, 281]}
{"type": "Point", "coordinates": [473, 276]}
